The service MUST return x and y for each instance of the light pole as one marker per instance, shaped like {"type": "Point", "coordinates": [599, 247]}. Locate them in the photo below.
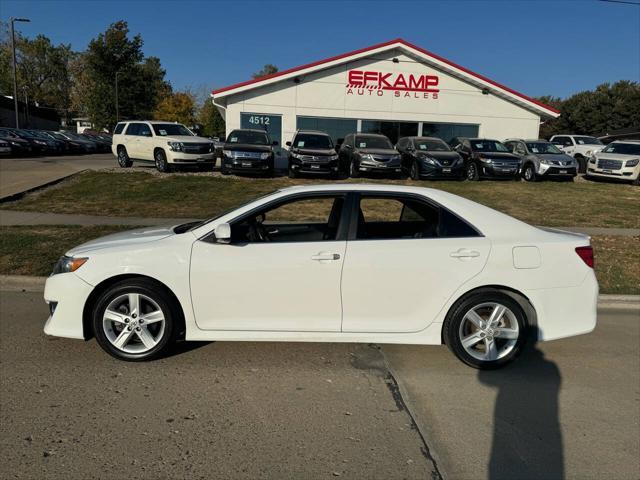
{"type": "Point", "coordinates": [15, 77]}
{"type": "Point", "coordinates": [117, 109]}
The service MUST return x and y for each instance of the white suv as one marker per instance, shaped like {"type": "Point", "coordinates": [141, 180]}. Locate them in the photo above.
{"type": "Point", "coordinates": [619, 160]}
{"type": "Point", "coordinates": [165, 143]}
{"type": "Point", "coordinates": [580, 147]}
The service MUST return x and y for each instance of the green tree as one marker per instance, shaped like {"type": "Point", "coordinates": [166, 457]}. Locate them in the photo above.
{"type": "Point", "coordinates": [213, 125]}
{"type": "Point", "coordinates": [268, 69]}
{"type": "Point", "coordinates": [177, 107]}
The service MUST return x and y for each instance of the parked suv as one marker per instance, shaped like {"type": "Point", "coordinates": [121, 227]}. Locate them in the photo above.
{"type": "Point", "coordinates": [542, 159]}
{"type": "Point", "coordinates": [620, 160]}
{"type": "Point", "coordinates": [429, 157]}
{"type": "Point", "coordinates": [166, 144]}
{"type": "Point", "coordinates": [368, 153]}
{"type": "Point", "coordinates": [312, 152]}
{"type": "Point", "coordinates": [486, 158]}
{"type": "Point", "coordinates": [580, 147]}
{"type": "Point", "coordinates": [248, 151]}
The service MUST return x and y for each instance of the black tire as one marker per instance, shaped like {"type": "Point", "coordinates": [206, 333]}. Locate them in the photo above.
{"type": "Point", "coordinates": [353, 170]}
{"type": "Point", "coordinates": [123, 158]}
{"type": "Point", "coordinates": [161, 161]}
{"type": "Point", "coordinates": [166, 337]}
{"type": "Point", "coordinates": [506, 352]}
{"type": "Point", "coordinates": [529, 173]}
{"type": "Point", "coordinates": [414, 171]}
{"type": "Point", "coordinates": [224, 170]}
{"type": "Point", "coordinates": [582, 163]}
{"type": "Point", "coordinates": [292, 172]}
{"type": "Point", "coordinates": [472, 173]}
{"type": "Point", "coordinates": [636, 182]}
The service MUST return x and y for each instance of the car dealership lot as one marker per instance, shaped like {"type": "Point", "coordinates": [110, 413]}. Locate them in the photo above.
{"type": "Point", "coordinates": [247, 410]}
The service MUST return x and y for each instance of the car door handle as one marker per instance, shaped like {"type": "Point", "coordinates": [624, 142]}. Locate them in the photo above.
{"type": "Point", "coordinates": [325, 256]}
{"type": "Point", "coordinates": [464, 253]}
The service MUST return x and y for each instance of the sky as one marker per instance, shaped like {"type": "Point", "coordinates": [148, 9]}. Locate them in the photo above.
{"type": "Point", "coordinates": [536, 47]}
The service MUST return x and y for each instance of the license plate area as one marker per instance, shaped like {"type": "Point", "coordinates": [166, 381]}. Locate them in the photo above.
{"type": "Point", "coordinates": [446, 170]}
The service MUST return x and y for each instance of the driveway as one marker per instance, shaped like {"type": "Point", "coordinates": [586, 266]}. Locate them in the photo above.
{"type": "Point", "coordinates": [566, 409]}
{"type": "Point", "coordinates": [22, 174]}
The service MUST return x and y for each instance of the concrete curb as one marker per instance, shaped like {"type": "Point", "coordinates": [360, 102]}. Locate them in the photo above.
{"type": "Point", "coordinates": [23, 283]}
{"type": "Point", "coordinates": [18, 195]}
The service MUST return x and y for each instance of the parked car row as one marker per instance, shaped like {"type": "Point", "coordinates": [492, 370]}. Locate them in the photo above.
{"type": "Point", "coordinates": [27, 142]}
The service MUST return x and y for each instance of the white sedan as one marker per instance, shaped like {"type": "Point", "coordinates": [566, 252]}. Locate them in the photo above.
{"type": "Point", "coordinates": [335, 263]}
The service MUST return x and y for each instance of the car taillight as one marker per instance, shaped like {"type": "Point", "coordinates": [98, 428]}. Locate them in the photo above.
{"type": "Point", "coordinates": [586, 254]}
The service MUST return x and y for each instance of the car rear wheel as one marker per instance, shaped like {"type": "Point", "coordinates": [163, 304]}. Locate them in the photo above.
{"type": "Point", "coordinates": [161, 161]}
{"type": "Point", "coordinates": [415, 171]}
{"type": "Point", "coordinates": [529, 173]}
{"type": "Point", "coordinates": [486, 330]}
{"type": "Point", "coordinates": [472, 172]}
{"type": "Point", "coordinates": [582, 163]}
{"type": "Point", "coordinates": [123, 158]}
{"type": "Point", "coordinates": [134, 320]}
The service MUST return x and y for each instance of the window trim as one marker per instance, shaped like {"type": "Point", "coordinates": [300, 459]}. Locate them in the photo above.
{"type": "Point", "coordinates": [355, 204]}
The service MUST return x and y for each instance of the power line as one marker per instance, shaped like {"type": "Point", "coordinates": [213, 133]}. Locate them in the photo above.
{"type": "Point", "coordinates": [622, 1]}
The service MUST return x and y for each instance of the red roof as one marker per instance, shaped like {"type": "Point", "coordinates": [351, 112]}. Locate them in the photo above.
{"type": "Point", "coordinates": [377, 46]}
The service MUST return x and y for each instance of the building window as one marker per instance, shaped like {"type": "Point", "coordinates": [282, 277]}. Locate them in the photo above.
{"type": "Point", "coordinates": [392, 130]}
{"type": "Point", "coordinates": [447, 131]}
{"type": "Point", "coordinates": [334, 127]}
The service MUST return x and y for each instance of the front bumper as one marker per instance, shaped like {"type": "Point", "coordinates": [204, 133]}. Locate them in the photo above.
{"type": "Point", "coordinates": [69, 293]}
{"type": "Point", "coordinates": [390, 167]}
{"type": "Point", "coordinates": [247, 165]}
{"type": "Point", "coordinates": [624, 173]}
{"type": "Point", "coordinates": [556, 171]}
{"type": "Point", "coordinates": [428, 170]}
{"type": "Point", "coordinates": [493, 171]}
{"type": "Point", "coordinates": [190, 158]}
{"type": "Point", "coordinates": [314, 167]}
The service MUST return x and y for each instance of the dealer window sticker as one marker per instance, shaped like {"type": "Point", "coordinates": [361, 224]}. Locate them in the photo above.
{"type": "Point", "coordinates": [422, 147]}
{"type": "Point", "coordinates": [535, 150]}
{"type": "Point", "coordinates": [362, 145]}
{"type": "Point", "coordinates": [300, 143]}
{"type": "Point", "coordinates": [478, 145]}
{"type": "Point", "coordinates": [233, 140]}
{"type": "Point", "coordinates": [162, 132]}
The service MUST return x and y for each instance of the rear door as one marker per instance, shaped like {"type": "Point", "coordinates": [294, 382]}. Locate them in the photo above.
{"type": "Point", "coordinates": [131, 140]}
{"type": "Point", "coordinates": [404, 260]}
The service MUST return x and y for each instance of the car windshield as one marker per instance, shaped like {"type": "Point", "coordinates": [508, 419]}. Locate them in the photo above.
{"type": "Point", "coordinates": [373, 142]}
{"type": "Point", "coordinates": [488, 146]}
{"type": "Point", "coordinates": [171, 129]}
{"type": "Point", "coordinates": [623, 148]}
{"type": "Point", "coordinates": [587, 141]}
{"type": "Point", "coordinates": [248, 137]}
{"type": "Point", "coordinates": [432, 145]}
{"type": "Point", "coordinates": [309, 140]}
{"type": "Point", "coordinates": [543, 148]}
{"type": "Point", "coordinates": [58, 135]}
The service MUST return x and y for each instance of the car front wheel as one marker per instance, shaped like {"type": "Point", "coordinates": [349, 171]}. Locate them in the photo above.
{"type": "Point", "coordinates": [486, 330]}
{"type": "Point", "coordinates": [472, 172]}
{"type": "Point", "coordinates": [529, 173]}
{"type": "Point", "coordinates": [161, 161]}
{"type": "Point", "coordinates": [134, 321]}
{"type": "Point", "coordinates": [123, 158]}
{"type": "Point", "coordinates": [415, 171]}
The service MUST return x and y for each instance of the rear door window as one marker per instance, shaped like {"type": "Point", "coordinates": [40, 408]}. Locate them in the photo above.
{"type": "Point", "coordinates": [118, 129]}
{"type": "Point", "coordinates": [133, 129]}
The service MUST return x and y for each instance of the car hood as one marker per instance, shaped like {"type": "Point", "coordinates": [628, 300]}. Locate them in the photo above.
{"type": "Point", "coordinates": [441, 155]}
{"type": "Point", "coordinates": [194, 139]}
{"type": "Point", "coordinates": [615, 156]}
{"type": "Point", "coordinates": [245, 147]}
{"type": "Point", "coordinates": [499, 156]}
{"type": "Point", "coordinates": [130, 237]}
{"type": "Point", "coordinates": [558, 157]}
{"type": "Point", "coordinates": [379, 151]}
{"type": "Point", "coordinates": [315, 152]}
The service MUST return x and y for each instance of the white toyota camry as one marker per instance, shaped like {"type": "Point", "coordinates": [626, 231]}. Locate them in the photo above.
{"type": "Point", "coordinates": [335, 263]}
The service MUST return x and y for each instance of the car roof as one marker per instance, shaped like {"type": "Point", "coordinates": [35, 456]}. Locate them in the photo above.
{"type": "Point", "coordinates": [359, 134]}
{"type": "Point", "coordinates": [314, 132]}
{"type": "Point", "coordinates": [424, 138]}
{"type": "Point", "coordinates": [249, 130]}
{"type": "Point", "coordinates": [631, 140]}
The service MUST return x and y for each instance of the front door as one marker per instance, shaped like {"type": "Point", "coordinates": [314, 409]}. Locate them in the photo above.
{"type": "Point", "coordinates": [407, 260]}
{"type": "Point", "coordinates": [281, 271]}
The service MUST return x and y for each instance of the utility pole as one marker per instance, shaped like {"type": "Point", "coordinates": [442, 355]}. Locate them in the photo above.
{"type": "Point", "coordinates": [12, 20]}
{"type": "Point", "coordinates": [117, 108]}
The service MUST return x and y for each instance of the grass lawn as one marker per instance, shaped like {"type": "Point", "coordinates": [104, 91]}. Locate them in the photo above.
{"type": "Point", "coordinates": [33, 250]}
{"type": "Point", "coordinates": [143, 194]}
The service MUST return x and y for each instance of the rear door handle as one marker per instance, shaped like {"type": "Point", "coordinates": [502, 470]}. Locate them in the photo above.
{"type": "Point", "coordinates": [464, 253]}
{"type": "Point", "coordinates": [325, 256]}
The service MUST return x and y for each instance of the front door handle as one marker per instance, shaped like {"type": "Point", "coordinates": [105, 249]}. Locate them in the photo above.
{"type": "Point", "coordinates": [325, 256]}
{"type": "Point", "coordinates": [464, 253]}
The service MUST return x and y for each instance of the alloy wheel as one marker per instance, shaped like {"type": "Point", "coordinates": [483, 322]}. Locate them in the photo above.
{"type": "Point", "coordinates": [489, 331]}
{"type": "Point", "coordinates": [133, 323]}
{"type": "Point", "coordinates": [471, 172]}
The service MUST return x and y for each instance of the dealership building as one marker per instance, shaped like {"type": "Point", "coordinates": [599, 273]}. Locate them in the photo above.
{"type": "Point", "coordinates": [394, 88]}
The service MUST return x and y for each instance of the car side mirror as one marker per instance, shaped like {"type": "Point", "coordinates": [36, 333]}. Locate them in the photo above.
{"type": "Point", "coordinates": [274, 143]}
{"type": "Point", "coordinates": [222, 233]}
{"type": "Point", "coordinates": [288, 144]}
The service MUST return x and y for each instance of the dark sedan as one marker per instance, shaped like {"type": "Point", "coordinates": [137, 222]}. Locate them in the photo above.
{"type": "Point", "coordinates": [429, 157]}
{"type": "Point", "coordinates": [486, 158]}
{"type": "Point", "coordinates": [38, 146]}
{"type": "Point", "coordinates": [312, 153]}
{"type": "Point", "coordinates": [19, 147]}
{"type": "Point", "coordinates": [369, 153]}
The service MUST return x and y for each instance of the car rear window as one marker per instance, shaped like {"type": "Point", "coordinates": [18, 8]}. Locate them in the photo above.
{"type": "Point", "coordinates": [118, 129]}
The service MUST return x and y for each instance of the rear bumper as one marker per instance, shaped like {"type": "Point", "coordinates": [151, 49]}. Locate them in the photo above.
{"type": "Point", "coordinates": [69, 293]}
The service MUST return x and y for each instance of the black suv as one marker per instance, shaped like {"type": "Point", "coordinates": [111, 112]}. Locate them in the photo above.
{"type": "Point", "coordinates": [368, 153]}
{"type": "Point", "coordinates": [485, 158]}
{"type": "Point", "coordinates": [248, 151]}
{"type": "Point", "coordinates": [429, 157]}
{"type": "Point", "coordinates": [312, 152]}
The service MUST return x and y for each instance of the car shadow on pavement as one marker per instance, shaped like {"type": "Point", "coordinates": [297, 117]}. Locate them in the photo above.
{"type": "Point", "coordinates": [527, 439]}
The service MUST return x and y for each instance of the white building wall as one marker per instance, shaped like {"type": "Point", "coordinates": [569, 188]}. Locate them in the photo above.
{"type": "Point", "coordinates": [323, 94]}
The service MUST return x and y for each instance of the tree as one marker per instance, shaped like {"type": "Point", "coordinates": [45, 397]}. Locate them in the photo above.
{"type": "Point", "coordinates": [268, 69]}
{"type": "Point", "coordinates": [213, 125]}
{"type": "Point", "coordinates": [177, 107]}
{"type": "Point", "coordinates": [140, 81]}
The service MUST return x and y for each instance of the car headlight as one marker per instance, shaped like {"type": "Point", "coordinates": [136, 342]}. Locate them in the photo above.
{"type": "Point", "coordinates": [591, 160]}
{"type": "Point", "coordinates": [40, 142]}
{"type": "Point", "coordinates": [632, 163]}
{"type": "Point", "coordinates": [544, 161]}
{"type": "Point", "coordinates": [428, 159]}
{"type": "Point", "coordinates": [227, 153]}
{"type": "Point", "coordinates": [17, 144]}
{"type": "Point", "coordinates": [265, 155]}
{"type": "Point", "coordinates": [68, 264]}
{"type": "Point", "coordinates": [332, 157]}
{"type": "Point", "coordinates": [175, 146]}
{"type": "Point", "coordinates": [395, 157]}
{"type": "Point", "coordinates": [589, 152]}
{"type": "Point", "coordinates": [486, 160]}
{"type": "Point", "coordinates": [367, 157]}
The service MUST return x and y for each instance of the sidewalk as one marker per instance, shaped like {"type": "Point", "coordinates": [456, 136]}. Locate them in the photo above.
{"type": "Point", "coordinates": [13, 217]}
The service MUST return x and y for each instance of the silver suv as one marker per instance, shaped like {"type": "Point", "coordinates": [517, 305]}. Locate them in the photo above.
{"type": "Point", "coordinates": [542, 159]}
